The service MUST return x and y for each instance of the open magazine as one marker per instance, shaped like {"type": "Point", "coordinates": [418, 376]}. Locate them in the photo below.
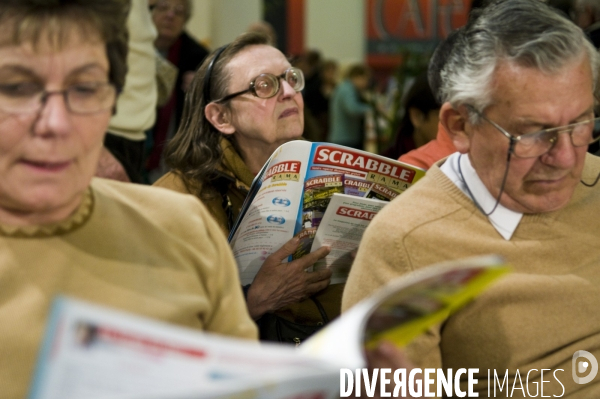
{"type": "Point", "coordinates": [94, 352]}
{"type": "Point", "coordinates": [322, 192]}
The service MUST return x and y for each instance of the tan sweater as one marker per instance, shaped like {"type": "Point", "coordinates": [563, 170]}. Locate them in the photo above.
{"type": "Point", "coordinates": [140, 249]}
{"type": "Point", "coordinates": [535, 318]}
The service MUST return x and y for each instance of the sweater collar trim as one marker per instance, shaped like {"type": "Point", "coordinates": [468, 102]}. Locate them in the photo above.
{"type": "Point", "coordinates": [77, 219]}
{"type": "Point", "coordinates": [504, 220]}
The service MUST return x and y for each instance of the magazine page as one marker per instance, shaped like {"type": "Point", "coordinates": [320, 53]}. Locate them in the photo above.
{"type": "Point", "coordinates": [404, 309]}
{"type": "Point", "coordinates": [342, 228]}
{"type": "Point", "coordinates": [271, 216]}
{"type": "Point", "coordinates": [95, 352]}
{"type": "Point", "coordinates": [292, 195]}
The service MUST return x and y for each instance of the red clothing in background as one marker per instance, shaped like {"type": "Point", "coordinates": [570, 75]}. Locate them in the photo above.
{"type": "Point", "coordinates": [428, 154]}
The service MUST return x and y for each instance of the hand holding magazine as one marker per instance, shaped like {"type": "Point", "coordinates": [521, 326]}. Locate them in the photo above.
{"type": "Point", "coordinates": [322, 192]}
{"type": "Point", "coordinates": [94, 352]}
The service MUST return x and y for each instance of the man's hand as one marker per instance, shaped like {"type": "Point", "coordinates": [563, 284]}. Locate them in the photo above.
{"type": "Point", "coordinates": [279, 284]}
{"type": "Point", "coordinates": [110, 168]}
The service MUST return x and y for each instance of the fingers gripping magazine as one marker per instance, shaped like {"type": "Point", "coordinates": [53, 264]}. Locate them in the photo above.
{"type": "Point", "coordinates": [294, 193]}
{"type": "Point", "coordinates": [94, 352]}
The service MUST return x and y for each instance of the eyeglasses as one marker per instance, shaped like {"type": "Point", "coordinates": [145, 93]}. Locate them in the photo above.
{"type": "Point", "coordinates": [82, 98]}
{"type": "Point", "coordinates": [531, 145]}
{"type": "Point", "coordinates": [267, 85]}
{"type": "Point", "coordinates": [164, 7]}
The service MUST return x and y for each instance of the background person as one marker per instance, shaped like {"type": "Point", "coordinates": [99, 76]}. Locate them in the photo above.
{"type": "Point", "coordinates": [521, 186]}
{"type": "Point", "coordinates": [135, 248]}
{"type": "Point", "coordinates": [442, 146]}
{"type": "Point", "coordinates": [123, 156]}
{"type": "Point", "coordinates": [227, 134]}
{"type": "Point", "coordinates": [587, 16]}
{"type": "Point", "coordinates": [419, 124]}
{"type": "Point", "coordinates": [347, 110]}
{"type": "Point", "coordinates": [183, 51]}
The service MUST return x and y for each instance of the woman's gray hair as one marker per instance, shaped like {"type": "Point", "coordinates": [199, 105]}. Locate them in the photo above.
{"type": "Point", "coordinates": [526, 33]}
{"type": "Point", "coordinates": [195, 152]}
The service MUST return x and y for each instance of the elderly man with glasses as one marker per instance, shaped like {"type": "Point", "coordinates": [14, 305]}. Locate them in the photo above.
{"type": "Point", "coordinates": [518, 91]}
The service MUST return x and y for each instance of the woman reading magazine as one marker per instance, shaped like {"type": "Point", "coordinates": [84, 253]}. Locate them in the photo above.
{"type": "Point", "coordinates": [244, 102]}
{"type": "Point", "coordinates": [140, 249]}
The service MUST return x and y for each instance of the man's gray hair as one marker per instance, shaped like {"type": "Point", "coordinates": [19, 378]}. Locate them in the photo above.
{"type": "Point", "coordinates": [527, 33]}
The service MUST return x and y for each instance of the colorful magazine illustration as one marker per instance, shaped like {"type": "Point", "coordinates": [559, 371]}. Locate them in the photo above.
{"type": "Point", "coordinates": [292, 193]}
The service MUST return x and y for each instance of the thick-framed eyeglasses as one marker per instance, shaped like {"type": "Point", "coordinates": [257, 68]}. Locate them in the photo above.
{"type": "Point", "coordinates": [267, 85]}
{"type": "Point", "coordinates": [83, 98]}
{"type": "Point", "coordinates": [535, 144]}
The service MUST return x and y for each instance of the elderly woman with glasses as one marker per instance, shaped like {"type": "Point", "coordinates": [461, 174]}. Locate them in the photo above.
{"type": "Point", "coordinates": [62, 64]}
{"type": "Point", "coordinates": [244, 102]}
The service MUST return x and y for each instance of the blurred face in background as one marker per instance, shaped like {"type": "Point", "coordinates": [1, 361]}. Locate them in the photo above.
{"type": "Point", "coordinates": [170, 17]}
{"type": "Point", "coordinates": [425, 124]}
{"type": "Point", "coordinates": [361, 82]}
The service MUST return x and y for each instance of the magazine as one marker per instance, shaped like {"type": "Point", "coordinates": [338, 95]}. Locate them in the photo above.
{"type": "Point", "coordinates": [93, 352]}
{"type": "Point", "coordinates": [291, 195]}
{"type": "Point", "coordinates": [341, 229]}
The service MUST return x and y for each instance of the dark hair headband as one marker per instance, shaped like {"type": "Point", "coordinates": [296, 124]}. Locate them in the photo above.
{"type": "Point", "coordinates": [209, 73]}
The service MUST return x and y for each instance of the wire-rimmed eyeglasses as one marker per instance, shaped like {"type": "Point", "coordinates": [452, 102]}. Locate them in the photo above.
{"type": "Point", "coordinates": [531, 145]}
{"type": "Point", "coordinates": [267, 85]}
{"type": "Point", "coordinates": [83, 98]}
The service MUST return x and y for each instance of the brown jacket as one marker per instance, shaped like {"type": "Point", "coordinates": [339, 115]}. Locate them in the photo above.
{"type": "Point", "coordinates": [231, 188]}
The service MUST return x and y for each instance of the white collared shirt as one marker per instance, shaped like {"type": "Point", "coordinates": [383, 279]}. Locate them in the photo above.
{"type": "Point", "coordinates": [504, 220]}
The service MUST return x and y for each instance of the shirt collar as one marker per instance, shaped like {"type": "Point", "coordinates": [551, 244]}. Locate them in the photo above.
{"type": "Point", "coordinates": [504, 220]}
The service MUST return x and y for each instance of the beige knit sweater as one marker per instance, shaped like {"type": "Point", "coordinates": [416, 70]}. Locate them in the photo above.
{"type": "Point", "coordinates": [144, 250]}
{"type": "Point", "coordinates": [535, 318]}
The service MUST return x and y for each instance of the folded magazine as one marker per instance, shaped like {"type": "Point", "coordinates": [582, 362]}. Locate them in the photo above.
{"type": "Point", "coordinates": [325, 193]}
{"type": "Point", "coordinates": [90, 351]}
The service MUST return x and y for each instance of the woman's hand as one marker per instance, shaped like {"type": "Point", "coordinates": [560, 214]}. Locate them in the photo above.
{"type": "Point", "coordinates": [279, 284]}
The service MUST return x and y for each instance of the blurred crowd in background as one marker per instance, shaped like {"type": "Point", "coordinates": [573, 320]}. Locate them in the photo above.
{"type": "Point", "coordinates": [352, 105]}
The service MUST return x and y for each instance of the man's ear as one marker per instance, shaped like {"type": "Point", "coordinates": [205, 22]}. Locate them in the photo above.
{"type": "Point", "coordinates": [220, 117]}
{"type": "Point", "coordinates": [455, 123]}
